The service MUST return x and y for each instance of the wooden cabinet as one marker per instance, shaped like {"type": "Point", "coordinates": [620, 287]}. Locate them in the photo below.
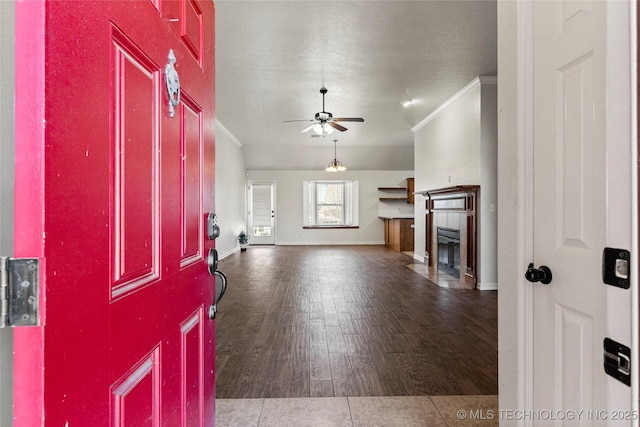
{"type": "Point", "coordinates": [398, 234]}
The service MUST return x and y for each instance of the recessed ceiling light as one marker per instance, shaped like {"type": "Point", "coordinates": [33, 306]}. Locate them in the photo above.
{"type": "Point", "coordinates": [408, 103]}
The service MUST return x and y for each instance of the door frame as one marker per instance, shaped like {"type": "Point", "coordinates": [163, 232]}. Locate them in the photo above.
{"type": "Point", "coordinates": [7, 132]}
{"type": "Point", "coordinates": [515, 197]}
{"type": "Point", "coordinates": [274, 217]}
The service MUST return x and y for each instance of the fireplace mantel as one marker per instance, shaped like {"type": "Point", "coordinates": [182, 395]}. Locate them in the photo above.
{"type": "Point", "coordinates": [453, 207]}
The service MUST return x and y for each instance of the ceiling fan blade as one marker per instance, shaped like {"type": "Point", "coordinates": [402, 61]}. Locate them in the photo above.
{"type": "Point", "coordinates": [307, 129]}
{"type": "Point", "coordinates": [348, 119]}
{"type": "Point", "coordinates": [302, 120]}
{"type": "Point", "coordinates": [337, 126]}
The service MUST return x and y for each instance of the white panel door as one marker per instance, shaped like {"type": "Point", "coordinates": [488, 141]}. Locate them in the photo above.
{"type": "Point", "coordinates": [570, 197]}
{"type": "Point", "coordinates": [262, 213]}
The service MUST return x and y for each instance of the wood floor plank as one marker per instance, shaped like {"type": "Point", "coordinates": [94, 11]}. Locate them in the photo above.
{"type": "Point", "coordinates": [321, 389]}
{"type": "Point", "coordinates": [318, 321]}
{"type": "Point", "coordinates": [320, 367]}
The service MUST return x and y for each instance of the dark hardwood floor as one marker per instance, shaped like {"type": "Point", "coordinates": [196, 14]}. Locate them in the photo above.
{"type": "Point", "coordinates": [312, 321]}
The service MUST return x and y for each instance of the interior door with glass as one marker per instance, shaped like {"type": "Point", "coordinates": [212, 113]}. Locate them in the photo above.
{"type": "Point", "coordinates": [262, 213]}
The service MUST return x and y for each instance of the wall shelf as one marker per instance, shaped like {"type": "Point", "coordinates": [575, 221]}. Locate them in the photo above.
{"type": "Point", "coordinates": [394, 199]}
{"type": "Point", "coordinates": [408, 190]}
{"type": "Point", "coordinates": [392, 189]}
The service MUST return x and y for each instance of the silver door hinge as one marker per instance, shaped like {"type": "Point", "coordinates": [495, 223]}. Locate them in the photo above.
{"type": "Point", "coordinates": [19, 292]}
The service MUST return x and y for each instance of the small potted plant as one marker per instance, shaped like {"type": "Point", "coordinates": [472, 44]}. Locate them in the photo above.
{"type": "Point", "coordinates": [243, 238]}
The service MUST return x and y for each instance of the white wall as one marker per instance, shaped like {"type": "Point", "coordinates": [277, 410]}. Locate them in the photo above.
{"type": "Point", "coordinates": [457, 145]}
{"type": "Point", "coordinates": [289, 202]}
{"type": "Point", "coordinates": [230, 191]}
{"type": "Point", "coordinates": [7, 48]}
{"type": "Point", "coordinates": [488, 215]}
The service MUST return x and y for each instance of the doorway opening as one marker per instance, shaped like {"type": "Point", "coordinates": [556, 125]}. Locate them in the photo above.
{"type": "Point", "coordinates": [261, 218]}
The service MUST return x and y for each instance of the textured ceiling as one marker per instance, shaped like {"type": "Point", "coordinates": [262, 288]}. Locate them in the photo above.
{"type": "Point", "coordinates": [272, 57]}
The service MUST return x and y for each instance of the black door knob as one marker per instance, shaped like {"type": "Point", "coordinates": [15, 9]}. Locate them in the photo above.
{"type": "Point", "coordinates": [542, 274]}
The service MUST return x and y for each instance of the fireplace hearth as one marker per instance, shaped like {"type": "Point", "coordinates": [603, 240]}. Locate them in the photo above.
{"type": "Point", "coordinates": [449, 251]}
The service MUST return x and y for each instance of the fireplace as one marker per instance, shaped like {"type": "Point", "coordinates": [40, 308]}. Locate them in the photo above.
{"type": "Point", "coordinates": [449, 251]}
{"type": "Point", "coordinates": [451, 235]}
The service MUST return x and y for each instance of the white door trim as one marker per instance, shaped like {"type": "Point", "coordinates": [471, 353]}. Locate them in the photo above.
{"type": "Point", "coordinates": [525, 202]}
{"type": "Point", "coordinates": [635, 298]}
{"type": "Point", "coordinates": [622, 200]}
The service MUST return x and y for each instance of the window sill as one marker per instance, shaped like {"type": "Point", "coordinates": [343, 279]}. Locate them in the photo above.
{"type": "Point", "coordinates": [325, 227]}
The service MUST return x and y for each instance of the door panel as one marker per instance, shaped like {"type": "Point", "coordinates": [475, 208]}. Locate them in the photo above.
{"type": "Point", "coordinates": [124, 188]}
{"type": "Point", "coordinates": [569, 229]}
{"type": "Point", "coordinates": [136, 396]}
{"type": "Point", "coordinates": [135, 235]}
{"type": "Point", "coordinates": [191, 363]}
{"type": "Point", "coordinates": [191, 30]}
{"type": "Point", "coordinates": [191, 178]}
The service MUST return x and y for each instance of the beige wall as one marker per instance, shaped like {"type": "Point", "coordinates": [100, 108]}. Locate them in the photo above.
{"type": "Point", "coordinates": [457, 145]}
{"type": "Point", "coordinates": [289, 197]}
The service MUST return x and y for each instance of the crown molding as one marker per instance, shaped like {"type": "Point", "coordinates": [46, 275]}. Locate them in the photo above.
{"type": "Point", "coordinates": [227, 132]}
{"type": "Point", "coordinates": [480, 80]}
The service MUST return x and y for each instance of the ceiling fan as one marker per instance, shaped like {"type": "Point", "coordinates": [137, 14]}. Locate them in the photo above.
{"type": "Point", "coordinates": [324, 120]}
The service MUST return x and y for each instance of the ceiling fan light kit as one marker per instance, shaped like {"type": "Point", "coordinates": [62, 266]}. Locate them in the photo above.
{"type": "Point", "coordinates": [319, 129]}
{"type": "Point", "coordinates": [324, 120]}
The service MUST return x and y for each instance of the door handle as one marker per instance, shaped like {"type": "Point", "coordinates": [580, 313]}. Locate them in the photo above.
{"type": "Point", "coordinates": [221, 288]}
{"type": "Point", "coordinates": [542, 274]}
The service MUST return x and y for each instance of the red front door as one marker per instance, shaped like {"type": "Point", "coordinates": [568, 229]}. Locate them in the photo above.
{"type": "Point", "coordinates": [112, 195]}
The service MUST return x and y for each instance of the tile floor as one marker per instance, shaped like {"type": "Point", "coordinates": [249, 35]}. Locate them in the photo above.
{"type": "Point", "coordinates": [433, 274]}
{"type": "Point", "coordinates": [405, 411]}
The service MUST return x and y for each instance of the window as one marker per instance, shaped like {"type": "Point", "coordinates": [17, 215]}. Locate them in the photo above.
{"type": "Point", "coordinates": [330, 203]}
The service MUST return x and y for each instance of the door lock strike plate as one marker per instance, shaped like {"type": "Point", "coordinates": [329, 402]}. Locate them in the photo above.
{"type": "Point", "coordinates": [617, 361]}
{"type": "Point", "coordinates": [616, 267]}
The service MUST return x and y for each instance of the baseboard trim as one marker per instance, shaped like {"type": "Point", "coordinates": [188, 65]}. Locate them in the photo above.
{"type": "Point", "coordinates": [487, 286]}
{"type": "Point", "coordinates": [226, 254]}
{"type": "Point", "coordinates": [418, 258]}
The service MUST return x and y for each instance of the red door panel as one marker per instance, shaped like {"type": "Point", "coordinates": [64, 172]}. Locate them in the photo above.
{"type": "Point", "coordinates": [192, 28]}
{"type": "Point", "coordinates": [191, 180]}
{"type": "Point", "coordinates": [136, 145]}
{"type": "Point", "coordinates": [136, 397]}
{"type": "Point", "coordinates": [191, 346]}
{"type": "Point", "coordinates": [112, 195]}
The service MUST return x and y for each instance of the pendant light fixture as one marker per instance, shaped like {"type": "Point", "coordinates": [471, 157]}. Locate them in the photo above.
{"type": "Point", "coordinates": [335, 165]}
